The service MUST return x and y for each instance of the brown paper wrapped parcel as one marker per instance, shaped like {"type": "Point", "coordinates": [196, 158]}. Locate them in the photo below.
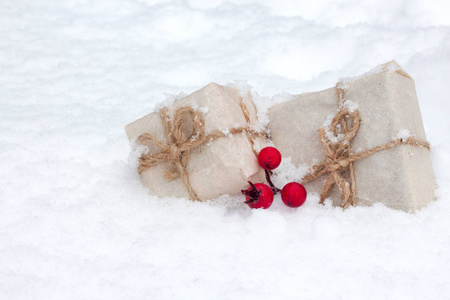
{"type": "Point", "coordinates": [216, 167]}
{"type": "Point", "coordinates": [400, 177]}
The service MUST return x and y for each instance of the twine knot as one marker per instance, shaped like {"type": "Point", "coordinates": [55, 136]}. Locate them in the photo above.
{"type": "Point", "coordinates": [175, 152]}
{"type": "Point", "coordinates": [335, 165]}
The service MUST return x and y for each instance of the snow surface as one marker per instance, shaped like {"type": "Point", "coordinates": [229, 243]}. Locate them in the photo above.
{"type": "Point", "coordinates": [75, 221]}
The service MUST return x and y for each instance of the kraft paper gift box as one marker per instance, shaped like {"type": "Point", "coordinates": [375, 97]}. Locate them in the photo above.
{"type": "Point", "coordinates": [217, 166]}
{"type": "Point", "coordinates": [400, 177]}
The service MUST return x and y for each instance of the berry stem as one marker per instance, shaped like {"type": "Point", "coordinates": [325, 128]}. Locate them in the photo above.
{"type": "Point", "coordinates": [253, 195]}
{"type": "Point", "coordinates": [272, 186]}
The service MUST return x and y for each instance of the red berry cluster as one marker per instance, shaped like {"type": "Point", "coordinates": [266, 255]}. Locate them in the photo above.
{"type": "Point", "coordinates": [260, 195]}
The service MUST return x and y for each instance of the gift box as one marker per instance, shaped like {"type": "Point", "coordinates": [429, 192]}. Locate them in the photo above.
{"type": "Point", "coordinates": [201, 146]}
{"type": "Point", "coordinates": [363, 140]}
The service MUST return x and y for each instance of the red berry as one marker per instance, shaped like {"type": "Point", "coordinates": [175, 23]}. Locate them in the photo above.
{"type": "Point", "coordinates": [258, 195]}
{"type": "Point", "coordinates": [269, 158]}
{"type": "Point", "coordinates": [293, 194]}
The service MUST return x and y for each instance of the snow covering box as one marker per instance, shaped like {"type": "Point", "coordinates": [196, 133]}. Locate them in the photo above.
{"type": "Point", "coordinates": [401, 177]}
{"type": "Point", "coordinates": [221, 166]}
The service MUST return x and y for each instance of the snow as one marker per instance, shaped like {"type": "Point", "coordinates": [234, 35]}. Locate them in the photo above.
{"type": "Point", "coordinates": [389, 66]}
{"type": "Point", "coordinates": [350, 105]}
{"type": "Point", "coordinates": [75, 221]}
{"type": "Point", "coordinates": [403, 134]}
{"type": "Point", "coordinates": [169, 100]}
{"type": "Point", "coordinates": [226, 131]}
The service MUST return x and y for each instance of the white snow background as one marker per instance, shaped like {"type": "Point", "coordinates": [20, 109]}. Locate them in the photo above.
{"type": "Point", "coordinates": [75, 220]}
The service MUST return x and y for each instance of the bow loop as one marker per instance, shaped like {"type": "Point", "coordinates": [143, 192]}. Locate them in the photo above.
{"type": "Point", "coordinates": [188, 128]}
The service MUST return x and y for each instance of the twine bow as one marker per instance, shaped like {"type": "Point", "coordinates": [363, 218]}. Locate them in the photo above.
{"type": "Point", "coordinates": [338, 163]}
{"type": "Point", "coordinates": [184, 134]}
{"type": "Point", "coordinates": [178, 144]}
